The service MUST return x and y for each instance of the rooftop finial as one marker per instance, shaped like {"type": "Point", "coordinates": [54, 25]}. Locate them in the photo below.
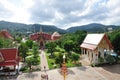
{"type": "Point", "coordinates": [41, 30]}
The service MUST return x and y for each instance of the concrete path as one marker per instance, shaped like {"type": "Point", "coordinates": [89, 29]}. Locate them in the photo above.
{"type": "Point", "coordinates": [75, 73]}
{"type": "Point", "coordinates": [84, 60]}
{"type": "Point", "coordinates": [112, 72]}
{"type": "Point", "coordinates": [44, 63]}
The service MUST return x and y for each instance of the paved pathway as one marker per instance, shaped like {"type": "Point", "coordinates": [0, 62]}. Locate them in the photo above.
{"type": "Point", "coordinates": [112, 72]}
{"type": "Point", "coordinates": [76, 73]}
{"type": "Point", "coordinates": [84, 60]}
{"type": "Point", "coordinates": [44, 63]}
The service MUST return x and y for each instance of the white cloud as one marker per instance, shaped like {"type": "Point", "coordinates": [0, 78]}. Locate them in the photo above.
{"type": "Point", "coordinates": [62, 13]}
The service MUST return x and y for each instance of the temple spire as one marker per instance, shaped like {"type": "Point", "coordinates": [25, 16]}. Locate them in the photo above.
{"type": "Point", "coordinates": [34, 29]}
{"type": "Point", "coordinates": [41, 30]}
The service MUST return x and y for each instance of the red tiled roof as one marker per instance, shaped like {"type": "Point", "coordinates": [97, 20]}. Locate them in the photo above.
{"type": "Point", "coordinates": [36, 36]}
{"type": "Point", "coordinates": [46, 36]}
{"type": "Point", "coordinates": [11, 56]}
{"type": "Point", "coordinates": [5, 34]}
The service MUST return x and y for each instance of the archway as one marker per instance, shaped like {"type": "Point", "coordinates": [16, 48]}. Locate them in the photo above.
{"type": "Point", "coordinates": [41, 44]}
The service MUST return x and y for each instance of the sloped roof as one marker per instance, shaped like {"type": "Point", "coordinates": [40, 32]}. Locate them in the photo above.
{"type": "Point", "coordinates": [92, 41]}
{"type": "Point", "coordinates": [1, 57]}
{"type": "Point", "coordinates": [10, 56]}
{"type": "Point", "coordinates": [35, 36]}
{"type": "Point", "coordinates": [93, 38]}
{"type": "Point", "coordinates": [5, 34]}
{"type": "Point", "coordinates": [56, 34]}
{"type": "Point", "coordinates": [88, 46]}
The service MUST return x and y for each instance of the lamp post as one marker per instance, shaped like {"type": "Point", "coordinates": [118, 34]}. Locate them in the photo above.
{"type": "Point", "coordinates": [64, 68]}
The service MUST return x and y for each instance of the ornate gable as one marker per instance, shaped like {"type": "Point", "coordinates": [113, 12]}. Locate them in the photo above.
{"type": "Point", "coordinates": [1, 57]}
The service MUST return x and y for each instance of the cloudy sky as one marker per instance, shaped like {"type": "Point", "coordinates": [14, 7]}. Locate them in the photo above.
{"type": "Point", "coordinates": [62, 13]}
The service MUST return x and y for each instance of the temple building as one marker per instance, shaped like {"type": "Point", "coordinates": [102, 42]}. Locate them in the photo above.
{"type": "Point", "coordinates": [55, 36]}
{"type": "Point", "coordinates": [42, 37]}
{"type": "Point", "coordinates": [5, 34]}
{"type": "Point", "coordinates": [95, 46]}
{"type": "Point", "coordinates": [9, 60]}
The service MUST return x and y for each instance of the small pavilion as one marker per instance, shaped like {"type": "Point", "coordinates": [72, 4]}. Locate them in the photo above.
{"type": "Point", "coordinates": [9, 60]}
{"type": "Point", "coordinates": [96, 46]}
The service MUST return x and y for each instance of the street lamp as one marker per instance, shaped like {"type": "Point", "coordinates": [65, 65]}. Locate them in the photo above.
{"type": "Point", "coordinates": [64, 68]}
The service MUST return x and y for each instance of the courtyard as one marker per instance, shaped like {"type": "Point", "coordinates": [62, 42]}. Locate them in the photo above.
{"type": "Point", "coordinates": [110, 72]}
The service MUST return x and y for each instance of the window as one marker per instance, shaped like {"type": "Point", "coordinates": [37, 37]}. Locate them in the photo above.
{"type": "Point", "coordinates": [105, 52]}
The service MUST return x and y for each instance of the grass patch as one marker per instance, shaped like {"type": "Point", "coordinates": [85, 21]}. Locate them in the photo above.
{"type": "Point", "coordinates": [69, 64]}
{"type": "Point", "coordinates": [30, 52]}
{"type": "Point", "coordinates": [72, 64]}
{"type": "Point", "coordinates": [50, 63]}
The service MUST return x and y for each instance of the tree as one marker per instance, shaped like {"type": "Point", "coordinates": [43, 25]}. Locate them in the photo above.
{"type": "Point", "coordinates": [80, 36]}
{"type": "Point", "coordinates": [116, 42]}
{"type": "Point", "coordinates": [18, 39]}
{"type": "Point", "coordinates": [29, 43]}
{"type": "Point", "coordinates": [23, 48]}
{"type": "Point", "coordinates": [73, 40]}
{"type": "Point", "coordinates": [75, 57]}
{"type": "Point", "coordinates": [1, 43]}
{"type": "Point", "coordinates": [35, 48]}
{"type": "Point", "coordinates": [68, 46]}
{"type": "Point", "coordinates": [34, 59]}
{"type": "Point", "coordinates": [36, 54]}
{"type": "Point", "coordinates": [100, 60]}
{"type": "Point", "coordinates": [59, 59]}
{"type": "Point", "coordinates": [29, 61]}
{"type": "Point", "coordinates": [51, 47]}
{"type": "Point", "coordinates": [5, 43]}
{"type": "Point", "coordinates": [110, 59]}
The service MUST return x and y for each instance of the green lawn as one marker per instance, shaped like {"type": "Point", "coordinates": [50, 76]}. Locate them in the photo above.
{"type": "Point", "coordinates": [50, 61]}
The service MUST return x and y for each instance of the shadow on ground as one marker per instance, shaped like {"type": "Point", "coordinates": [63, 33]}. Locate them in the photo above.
{"type": "Point", "coordinates": [70, 71]}
{"type": "Point", "coordinates": [31, 75]}
{"type": "Point", "coordinates": [112, 68]}
{"type": "Point", "coordinates": [8, 77]}
{"type": "Point", "coordinates": [83, 68]}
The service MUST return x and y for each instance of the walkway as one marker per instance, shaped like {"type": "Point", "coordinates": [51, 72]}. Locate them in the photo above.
{"type": "Point", "coordinates": [112, 72]}
{"type": "Point", "coordinates": [44, 64]}
{"type": "Point", "coordinates": [75, 73]}
{"type": "Point", "coordinates": [84, 60]}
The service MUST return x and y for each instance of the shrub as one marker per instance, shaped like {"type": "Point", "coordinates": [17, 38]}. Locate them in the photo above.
{"type": "Point", "coordinates": [100, 60]}
{"type": "Point", "coordinates": [110, 59]}
{"type": "Point", "coordinates": [24, 69]}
